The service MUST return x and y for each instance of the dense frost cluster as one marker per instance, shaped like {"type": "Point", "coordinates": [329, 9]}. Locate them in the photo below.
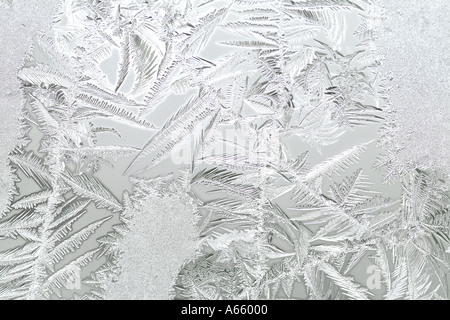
{"type": "Point", "coordinates": [414, 41]}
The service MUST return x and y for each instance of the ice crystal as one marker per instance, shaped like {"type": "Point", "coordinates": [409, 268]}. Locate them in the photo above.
{"type": "Point", "coordinates": [25, 18]}
{"type": "Point", "coordinates": [248, 132]}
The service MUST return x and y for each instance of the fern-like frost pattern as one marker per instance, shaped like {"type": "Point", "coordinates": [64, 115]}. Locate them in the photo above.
{"type": "Point", "coordinates": [241, 150]}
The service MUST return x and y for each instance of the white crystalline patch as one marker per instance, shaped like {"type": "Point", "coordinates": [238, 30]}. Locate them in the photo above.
{"type": "Point", "coordinates": [6, 185]}
{"type": "Point", "coordinates": [162, 238]}
{"type": "Point", "coordinates": [20, 20]}
{"type": "Point", "coordinates": [415, 42]}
